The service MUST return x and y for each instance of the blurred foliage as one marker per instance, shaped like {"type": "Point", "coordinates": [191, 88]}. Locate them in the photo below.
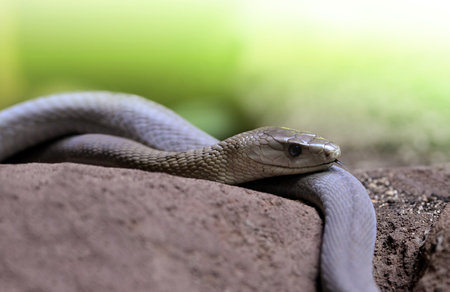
{"type": "Point", "coordinates": [173, 52]}
{"type": "Point", "coordinates": [362, 76]}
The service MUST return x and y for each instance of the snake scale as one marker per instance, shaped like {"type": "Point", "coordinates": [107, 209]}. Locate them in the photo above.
{"type": "Point", "coordinates": [122, 130]}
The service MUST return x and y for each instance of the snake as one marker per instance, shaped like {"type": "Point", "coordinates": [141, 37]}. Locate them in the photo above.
{"type": "Point", "coordinates": [129, 131]}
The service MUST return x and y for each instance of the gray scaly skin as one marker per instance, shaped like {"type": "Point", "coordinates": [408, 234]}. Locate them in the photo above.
{"type": "Point", "coordinates": [350, 226]}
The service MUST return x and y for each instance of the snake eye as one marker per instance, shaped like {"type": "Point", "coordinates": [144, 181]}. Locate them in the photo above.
{"type": "Point", "coordinates": [295, 150]}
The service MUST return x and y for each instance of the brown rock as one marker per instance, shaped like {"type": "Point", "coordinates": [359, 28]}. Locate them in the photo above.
{"type": "Point", "coordinates": [408, 202]}
{"type": "Point", "coordinates": [435, 257]}
{"type": "Point", "coordinates": [68, 227]}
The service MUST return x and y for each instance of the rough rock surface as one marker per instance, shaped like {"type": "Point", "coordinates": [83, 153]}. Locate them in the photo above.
{"type": "Point", "coordinates": [408, 202]}
{"type": "Point", "coordinates": [68, 227]}
{"type": "Point", "coordinates": [435, 257]}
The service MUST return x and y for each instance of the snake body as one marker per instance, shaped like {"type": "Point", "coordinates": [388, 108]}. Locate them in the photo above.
{"type": "Point", "coordinates": [134, 132]}
{"type": "Point", "coordinates": [349, 229]}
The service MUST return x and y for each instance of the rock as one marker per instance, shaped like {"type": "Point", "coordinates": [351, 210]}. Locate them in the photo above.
{"type": "Point", "coordinates": [408, 202]}
{"type": "Point", "coordinates": [435, 257]}
{"type": "Point", "coordinates": [69, 227]}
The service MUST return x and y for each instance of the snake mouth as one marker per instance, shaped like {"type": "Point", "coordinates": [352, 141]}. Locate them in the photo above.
{"type": "Point", "coordinates": [274, 170]}
{"type": "Point", "coordinates": [299, 170]}
{"type": "Point", "coordinates": [336, 161]}
{"type": "Point", "coordinates": [321, 166]}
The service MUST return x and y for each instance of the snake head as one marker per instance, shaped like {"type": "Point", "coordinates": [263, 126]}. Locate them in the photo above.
{"type": "Point", "coordinates": [272, 151]}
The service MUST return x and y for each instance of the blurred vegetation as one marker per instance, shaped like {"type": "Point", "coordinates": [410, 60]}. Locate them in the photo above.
{"type": "Point", "coordinates": [375, 83]}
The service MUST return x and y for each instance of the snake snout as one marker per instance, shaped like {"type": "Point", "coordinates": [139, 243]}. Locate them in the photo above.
{"type": "Point", "coordinates": [331, 151]}
{"type": "Point", "coordinates": [324, 151]}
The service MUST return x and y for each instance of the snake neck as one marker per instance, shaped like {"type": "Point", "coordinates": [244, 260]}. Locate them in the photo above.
{"type": "Point", "coordinates": [218, 162]}
{"type": "Point", "coordinates": [215, 163]}
{"type": "Point", "coordinates": [204, 163]}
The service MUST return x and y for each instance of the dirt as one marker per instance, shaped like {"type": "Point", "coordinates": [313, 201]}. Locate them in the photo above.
{"type": "Point", "coordinates": [408, 202]}
{"type": "Point", "coordinates": [68, 227]}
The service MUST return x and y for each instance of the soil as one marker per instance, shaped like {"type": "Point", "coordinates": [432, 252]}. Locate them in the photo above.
{"type": "Point", "coordinates": [408, 202]}
{"type": "Point", "coordinates": [69, 227]}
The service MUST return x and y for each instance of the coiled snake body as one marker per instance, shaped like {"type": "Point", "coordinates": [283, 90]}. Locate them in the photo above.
{"type": "Point", "coordinates": [130, 131]}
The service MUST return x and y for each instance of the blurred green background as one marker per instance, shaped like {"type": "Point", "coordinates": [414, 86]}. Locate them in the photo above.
{"type": "Point", "coordinates": [371, 76]}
